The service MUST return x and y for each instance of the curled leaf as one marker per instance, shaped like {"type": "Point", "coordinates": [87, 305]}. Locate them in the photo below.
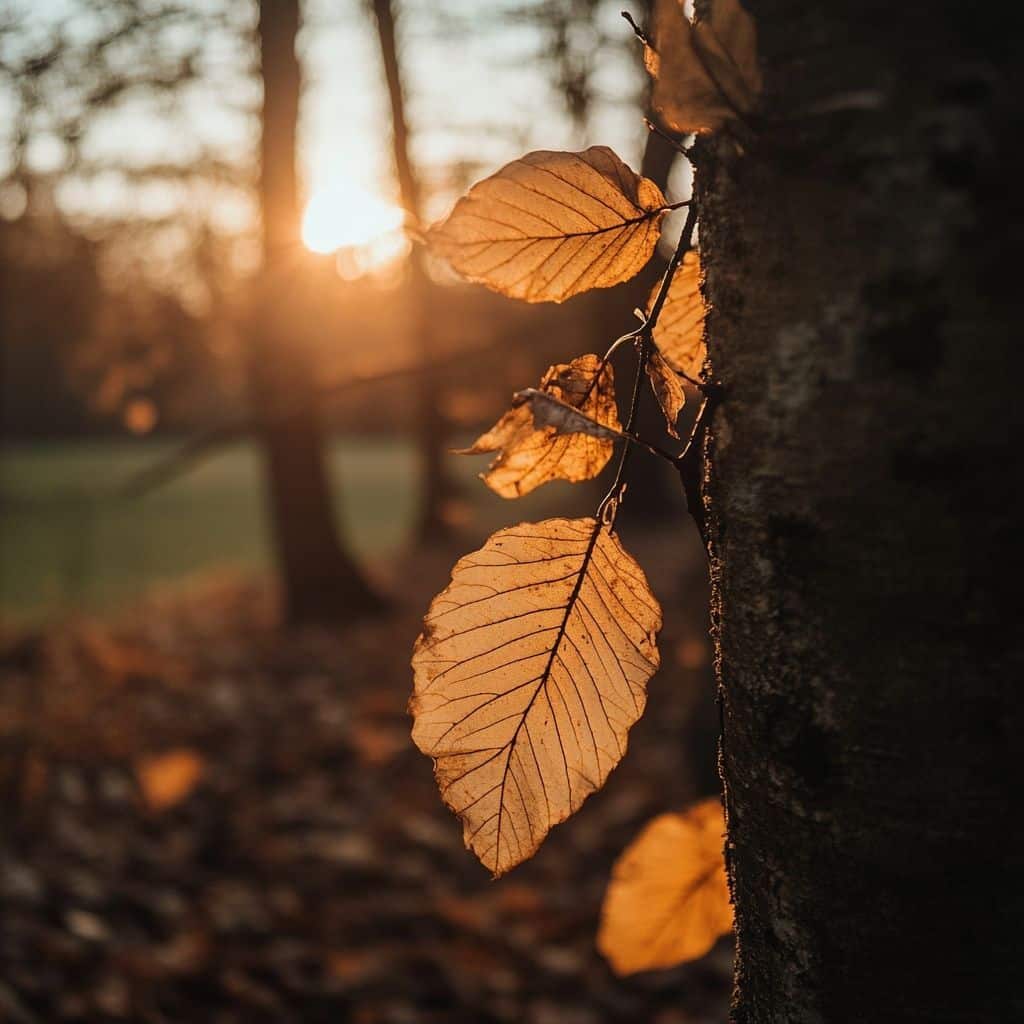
{"type": "Point", "coordinates": [705, 73]}
{"type": "Point", "coordinates": [552, 225]}
{"type": "Point", "coordinates": [668, 898]}
{"type": "Point", "coordinates": [679, 332]}
{"type": "Point", "coordinates": [532, 666]}
{"type": "Point", "coordinates": [549, 411]}
{"type": "Point", "coordinates": [532, 452]}
{"type": "Point", "coordinates": [668, 389]}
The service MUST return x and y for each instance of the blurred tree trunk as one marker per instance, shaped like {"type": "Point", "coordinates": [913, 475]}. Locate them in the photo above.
{"type": "Point", "coordinates": [864, 483]}
{"type": "Point", "coordinates": [320, 580]}
{"type": "Point", "coordinates": [435, 486]}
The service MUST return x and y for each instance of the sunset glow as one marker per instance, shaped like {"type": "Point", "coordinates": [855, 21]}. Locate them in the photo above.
{"type": "Point", "coordinates": [345, 216]}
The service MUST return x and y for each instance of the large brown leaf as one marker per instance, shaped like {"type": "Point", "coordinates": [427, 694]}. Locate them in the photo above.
{"type": "Point", "coordinates": [679, 332]}
{"type": "Point", "coordinates": [668, 898]}
{"type": "Point", "coordinates": [533, 453]}
{"type": "Point", "coordinates": [531, 668]}
{"type": "Point", "coordinates": [705, 73]}
{"type": "Point", "coordinates": [551, 225]}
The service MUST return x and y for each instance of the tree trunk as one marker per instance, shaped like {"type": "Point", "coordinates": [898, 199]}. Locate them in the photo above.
{"type": "Point", "coordinates": [863, 484]}
{"type": "Point", "coordinates": [320, 580]}
{"type": "Point", "coordinates": [436, 488]}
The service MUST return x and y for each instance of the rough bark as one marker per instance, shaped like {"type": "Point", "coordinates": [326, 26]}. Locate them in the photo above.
{"type": "Point", "coordinates": [436, 488]}
{"type": "Point", "coordinates": [319, 578]}
{"type": "Point", "coordinates": [863, 486]}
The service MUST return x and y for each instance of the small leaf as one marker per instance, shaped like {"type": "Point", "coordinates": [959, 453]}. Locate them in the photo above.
{"type": "Point", "coordinates": [705, 73]}
{"type": "Point", "coordinates": [531, 668]}
{"type": "Point", "coordinates": [552, 225]}
{"type": "Point", "coordinates": [167, 779]}
{"type": "Point", "coordinates": [679, 332]}
{"type": "Point", "coordinates": [668, 389]}
{"type": "Point", "coordinates": [533, 453]}
{"type": "Point", "coordinates": [668, 898]}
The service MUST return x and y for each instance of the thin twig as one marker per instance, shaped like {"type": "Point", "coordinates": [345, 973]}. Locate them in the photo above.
{"type": "Point", "coordinates": [674, 143]}
{"type": "Point", "coordinates": [684, 244]}
{"type": "Point", "coordinates": [637, 30]}
{"type": "Point", "coordinates": [609, 352]}
{"type": "Point", "coordinates": [689, 380]}
{"type": "Point", "coordinates": [644, 338]}
{"type": "Point", "coordinates": [612, 498]}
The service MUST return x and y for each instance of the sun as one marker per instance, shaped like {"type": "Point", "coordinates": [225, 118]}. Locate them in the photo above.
{"type": "Point", "coordinates": [345, 216]}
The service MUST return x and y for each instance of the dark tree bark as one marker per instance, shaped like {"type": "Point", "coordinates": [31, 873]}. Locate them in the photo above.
{"type": "Point", "coordinates": [864, 486]}
{"type": "Point", "coordinates": [436, 487]}
{"type": "Point", "coordinates": [320, 580]}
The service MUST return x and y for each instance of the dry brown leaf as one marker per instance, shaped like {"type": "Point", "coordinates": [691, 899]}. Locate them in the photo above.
{"type": "Point", "coordinates": [532, 666]}
{"type": "Point", "coordinates": [532, 454]}
{"type": "Point", "coordinates": [668, 390]}
{"type": "Point", "coordinates": [705, 73]}
{"type": "Point", "coordinates": [549, 411]}
{"type": "Point", "coordinates": [668, 898]}
{"type": "Point", "coordinates": [679, 332]}
{"type": "Point", "coordinates": [551, 225]}
{"type": "Point", "coordinates": [167, 779]}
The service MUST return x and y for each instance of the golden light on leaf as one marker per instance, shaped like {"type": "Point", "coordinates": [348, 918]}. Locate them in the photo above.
{"type": "Point", "coordinates": [551, 225]}
{"type": "Point", "coordinates": [679, 332]}
{"type": "Point", "coordinates": [531, 668]}
{"type": "Point", "coordinates": [532, 453]}
{"type": "Point", "coordinates": [345, 216]}
{"type": "Point", "coordinates": [706, 72]}
{"type": "Point", "coordinates": [668, 898]}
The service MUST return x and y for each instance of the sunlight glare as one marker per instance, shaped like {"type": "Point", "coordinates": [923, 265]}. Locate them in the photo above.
{"type": "Point", "coordinates": [345, 216]}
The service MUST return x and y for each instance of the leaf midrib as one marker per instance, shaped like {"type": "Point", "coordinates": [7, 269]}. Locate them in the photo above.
{"type": "Point", "coordinates": [543, 680]}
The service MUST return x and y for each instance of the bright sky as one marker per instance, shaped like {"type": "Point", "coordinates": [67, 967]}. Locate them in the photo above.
{"type": "Point", "coordinates": [478, 95]}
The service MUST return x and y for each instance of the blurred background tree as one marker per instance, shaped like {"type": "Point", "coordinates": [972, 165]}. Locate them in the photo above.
{"type": "Point", "coordinates": [131, 196]}
{"type": "Point", "coordinates": [210, 319]}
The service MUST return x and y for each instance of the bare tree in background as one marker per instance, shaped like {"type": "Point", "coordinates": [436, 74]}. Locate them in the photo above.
{"type": "Point", "coordinates": [435, 484]}
{"type": "Point", "coordinates": [320, 579]}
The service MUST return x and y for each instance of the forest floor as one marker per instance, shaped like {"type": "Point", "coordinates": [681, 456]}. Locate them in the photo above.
{"type": "Point", "coordinates": [209, 819]}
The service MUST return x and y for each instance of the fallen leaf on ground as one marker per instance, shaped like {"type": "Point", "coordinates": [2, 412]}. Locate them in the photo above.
{"type": "Point", "coordinates": [167, 779]}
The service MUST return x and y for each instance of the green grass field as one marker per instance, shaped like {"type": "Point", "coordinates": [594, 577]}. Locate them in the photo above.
{"type": "Point", "coordinates": [67, 543]}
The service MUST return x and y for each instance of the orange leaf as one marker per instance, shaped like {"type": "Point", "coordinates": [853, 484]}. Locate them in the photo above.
{"type": "Point", "coordinates": [679, 332]}
{"type": "Point", "coordinates": [167, 779]}
{"type": "Point", "coordinates": [533, 453]}
{"type": "Point", "coordinates": [668, 898]}
{"type": "Point", "coordinates": [552, 225]}
{"type": "Point", "coordinates": [531, 668]}
{"type": "Point", "coordinates": [705, 73]}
